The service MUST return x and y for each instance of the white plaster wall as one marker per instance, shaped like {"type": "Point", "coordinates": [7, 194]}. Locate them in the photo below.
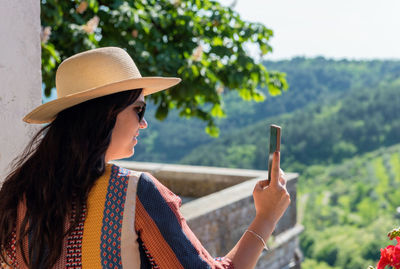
{"type": "Point", "coordinates": [20, 75]}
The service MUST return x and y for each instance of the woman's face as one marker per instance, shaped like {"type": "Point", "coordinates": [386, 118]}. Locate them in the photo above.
{"type": "Point", "coordinates": [125, 132]}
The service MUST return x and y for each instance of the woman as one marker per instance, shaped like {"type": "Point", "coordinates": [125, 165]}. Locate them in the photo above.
{"type": "Point", "coordinates": [65, 206]}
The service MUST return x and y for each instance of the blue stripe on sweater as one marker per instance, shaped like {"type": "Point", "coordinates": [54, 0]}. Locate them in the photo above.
{"type": "Point", "coordinates": [166, 221]}
{"type": "Point", "coordinates": [112, 218]}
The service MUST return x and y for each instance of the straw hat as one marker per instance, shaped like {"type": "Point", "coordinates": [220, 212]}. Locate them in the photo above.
{"type": "Point", "coordinates": [93, 74]}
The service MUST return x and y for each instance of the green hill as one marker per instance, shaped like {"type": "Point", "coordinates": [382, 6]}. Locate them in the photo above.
{"type": "Point", "coordinates": [341, 131]}
{"type": "Point", "coordinates": [312, 81]}
{"type": "Point", "coordinates": [347, 209]}
{"type": "Point", "coordinates": [360, 121]}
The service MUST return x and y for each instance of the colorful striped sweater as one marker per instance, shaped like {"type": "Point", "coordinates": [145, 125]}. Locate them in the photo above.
{"type": "Point", "coordinates": [131, 221]}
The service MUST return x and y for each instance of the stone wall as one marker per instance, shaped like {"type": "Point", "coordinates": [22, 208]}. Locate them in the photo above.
{"type": "Point", "coordinates": [20, 75]}
{"type": "Point", "coordinates": [219, 220]}
{"type": "Point", "coordinates": [224, 208]}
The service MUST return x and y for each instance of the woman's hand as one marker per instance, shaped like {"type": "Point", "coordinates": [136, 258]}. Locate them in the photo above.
{"type": "Point", "coordinates": [271, 200]}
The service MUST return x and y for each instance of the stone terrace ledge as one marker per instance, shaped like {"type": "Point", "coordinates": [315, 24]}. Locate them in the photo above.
{"type": "Point", "coordinates": [221, 207]}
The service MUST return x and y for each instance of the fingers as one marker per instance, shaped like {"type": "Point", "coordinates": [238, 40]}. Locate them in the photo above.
{"type": "Point", "coordinates": [282, 178]}
{"type": "Point", "coordinates": [275, 173]}
{"type": "Point", "coordinates": [263, 183]}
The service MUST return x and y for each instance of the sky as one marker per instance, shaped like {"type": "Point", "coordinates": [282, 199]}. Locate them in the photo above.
{"type": "Point", "coordinates": [352, 29]}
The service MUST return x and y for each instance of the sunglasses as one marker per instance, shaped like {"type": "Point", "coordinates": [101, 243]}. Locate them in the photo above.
{"type": "Point", "coordinates": [140, 111]}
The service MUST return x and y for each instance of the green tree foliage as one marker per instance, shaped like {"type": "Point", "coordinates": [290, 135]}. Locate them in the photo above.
{"type": "Point", "coordinates": [313, 264]}
{"type": "Point", "coordinates": [361, 121]}
{"type": "Point", "coordinates": [201, 42]}
{"type": "Point", "coordinates": [347, 210]}
{"type": "Point", "coordinates": [349, 105]}
{"type": "Point", "coordinates": [334, 115]}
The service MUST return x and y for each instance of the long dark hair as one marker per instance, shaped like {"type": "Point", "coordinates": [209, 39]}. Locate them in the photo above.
{"type": "Point", "coordinates": [55, 174]}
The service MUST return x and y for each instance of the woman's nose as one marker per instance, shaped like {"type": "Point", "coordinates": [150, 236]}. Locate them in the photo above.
{"type": "Point", "coordinates": [143, 124]}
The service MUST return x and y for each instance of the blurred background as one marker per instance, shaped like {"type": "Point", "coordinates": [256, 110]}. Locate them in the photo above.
{"type": "Point", "coordinates": [328, 72]}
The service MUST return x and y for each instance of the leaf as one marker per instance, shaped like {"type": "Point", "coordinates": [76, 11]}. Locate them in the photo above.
{"type": "Point", "coordinates": [217, 41]}
{"type": "Point", "coordinates": [50, 48]}
{"type": "Point", "coordinates": [273, 90]}
{"type": "Point", "coordinates": [245, 94]}
{"type": "Point", "coordinates": [264, 49]}
{"type": "Point", "coordinates": [195, 71]}
{"type": "Point", "coordinates": [212, 131]}
{"type": "Point", "coordinates": [217, 111]}
{"type": "Point", "coordinates": [259, 96]}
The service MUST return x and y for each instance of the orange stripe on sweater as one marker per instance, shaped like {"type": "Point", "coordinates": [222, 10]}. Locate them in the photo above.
{"type": "Point", "coordinates": [153, 239]}
{"type": "Point", "coordinates": [174, 202]}
{"type": "Point", "coordinates": [91, 239]}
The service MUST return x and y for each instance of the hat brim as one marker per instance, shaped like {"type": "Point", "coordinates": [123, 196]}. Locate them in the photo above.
{"type": "Point", "coordinates": [47, 112]}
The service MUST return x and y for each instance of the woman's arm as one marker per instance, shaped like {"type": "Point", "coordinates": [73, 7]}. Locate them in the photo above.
{"type": "Point", "coordinates": [170, 242]}
{"type": "Point", "coordinates": [271, 202]}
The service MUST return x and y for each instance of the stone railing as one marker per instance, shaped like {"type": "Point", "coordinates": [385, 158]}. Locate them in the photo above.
{"type": "Point", "coordinates": [220, 208]}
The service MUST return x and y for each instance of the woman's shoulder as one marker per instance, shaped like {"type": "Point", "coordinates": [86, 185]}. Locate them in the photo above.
{"type": "Point", "coordinates": [119, 171]}
{"type": "Point", "coordinates": [145, 177]}
{"type": "Point", "coordinates": [148, 186]}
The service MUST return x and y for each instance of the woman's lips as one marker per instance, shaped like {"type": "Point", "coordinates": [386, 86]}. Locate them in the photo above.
{"type": "Point", "coordinates": [135, 140]}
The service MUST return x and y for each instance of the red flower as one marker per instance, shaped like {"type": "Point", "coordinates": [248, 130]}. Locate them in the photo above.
{"type": "Point", "coordinates": [396, 254]}
{"type": "Point", "coordinates": [390, 256]}
{"type": "Point", "coordinates": [386, 257]}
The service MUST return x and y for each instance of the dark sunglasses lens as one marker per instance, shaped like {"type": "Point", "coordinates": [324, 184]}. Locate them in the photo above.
{"type": "Point", "coordinates": [141, 113]}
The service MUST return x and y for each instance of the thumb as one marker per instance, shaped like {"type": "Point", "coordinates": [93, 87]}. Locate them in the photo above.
{"type": "Point", "coordinates": [263, 183]}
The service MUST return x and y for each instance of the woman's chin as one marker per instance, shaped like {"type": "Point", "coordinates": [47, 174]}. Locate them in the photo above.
{"type": "Point", "coordinates": [130, 153]}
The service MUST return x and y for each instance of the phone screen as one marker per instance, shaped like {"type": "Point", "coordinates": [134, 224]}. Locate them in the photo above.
{"type": "Point", "coordinates": [274, 145]}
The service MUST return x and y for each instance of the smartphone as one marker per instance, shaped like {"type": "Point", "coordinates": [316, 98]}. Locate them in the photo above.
{"type": "Point", "coordinates": [274, 145]}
